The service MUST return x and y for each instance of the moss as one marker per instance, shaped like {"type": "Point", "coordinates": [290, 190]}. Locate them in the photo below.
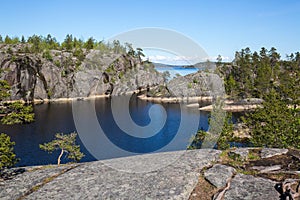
{"type": "Point", "coordinates": [57, 63]}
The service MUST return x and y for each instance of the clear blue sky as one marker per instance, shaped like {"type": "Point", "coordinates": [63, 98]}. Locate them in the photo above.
{"type": "Point", "coordinates": [220, 27]}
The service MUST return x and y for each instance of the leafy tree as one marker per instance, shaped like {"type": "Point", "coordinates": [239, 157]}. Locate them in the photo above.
{"type": "Point", "coordinates": [89, 44]}
{"type": "Point", "coordinates": [4, 90]}
{"type": "Point", "coordinates": [274, 125]}
{"type": "Point", "coordinates": [230, 86]}
{"type": "Point", "coordinates": [50, 42]}
{"type": "Point", "coordinates": [117, 47]}
{"type": "Point", "coordinates": [7, 155]}
{"type": "Point", "coordinates": [68, 42]}
{"type": "Point", "coordinates": [17, 113]}
{"type": "Point", "coordinates": [23, 39]}
{"type": "Point", "coordinates": [7, 40]}
{"type": "Point", "coordinates": [67, 144]}
{"type": "Point", "coordinates": [130, 50]}
{"type": "Point", "coordinates": [36, 42]}
{"type": "Point", "coordinates": [1, 39]}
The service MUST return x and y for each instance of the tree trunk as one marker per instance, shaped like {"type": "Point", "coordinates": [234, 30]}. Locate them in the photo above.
{"type": "Point", "coordinates": [59, 157]}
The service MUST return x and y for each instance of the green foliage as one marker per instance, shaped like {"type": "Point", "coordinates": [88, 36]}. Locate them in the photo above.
{"type": "Point", "coordinates": [177, 75]}
{"type": "Point", "coordinates": [57, 63]}
{"type": "Point", "coordinates": [89, 44]}
{"type": "Point", "coordinates": [79, 54]}
{"type": "Point", "coordinates": [17, 113]}
{"type": "Point", "coordinates": [4, 90]}
{"type": "Point", "coordinates": [7, 155]}
{"type": "Point", "coordinates": [36, 43]}
{"type": "Point", "coordinates": [274, 125]}
{"type": "Point", "coordinates": [220, 131]}
{"type": "Point", "coordinates": [255, 74]}
{"type": "Point", "coordinates": [68, 42]}
{"type": "Point", "coordinates": [9, 51]}
{"type": "Point", "coordinates": [47, 55]}
{"type": "Point", "coordinates": [67, 144]}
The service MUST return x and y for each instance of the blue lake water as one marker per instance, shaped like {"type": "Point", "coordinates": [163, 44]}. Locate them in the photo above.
{"type": "Point", "coordinates": [58, 118]}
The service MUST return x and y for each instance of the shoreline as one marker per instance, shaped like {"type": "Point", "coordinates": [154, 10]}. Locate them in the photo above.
{"type": "Point", "coordinates": [175, 99]}
{"type": "Point", "coordinates": [193, 102]}
{"type": "Point", "coordinates": [59, 100]}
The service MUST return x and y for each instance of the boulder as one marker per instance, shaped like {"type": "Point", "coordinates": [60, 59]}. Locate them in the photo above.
{"type": "Point", "coordinates": [250, 187]}
{"type": "Point", "coordinates": [219, 175]}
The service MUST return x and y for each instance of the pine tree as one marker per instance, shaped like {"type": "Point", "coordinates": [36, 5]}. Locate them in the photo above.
{"type": "Point", "coordinates": [7, 155]}
{"type": "Point", "coordinates": [67, 144]}
{"type": "Point", "coordinates": [275, 124]}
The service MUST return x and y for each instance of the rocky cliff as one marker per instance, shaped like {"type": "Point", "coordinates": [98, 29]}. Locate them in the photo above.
{"type": "Point", "coordinates": [197, 84]}
{"type": "Point", "coordinates": [55, 74]}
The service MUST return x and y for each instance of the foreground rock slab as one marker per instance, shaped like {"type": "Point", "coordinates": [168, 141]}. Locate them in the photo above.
{"type": "Point", "coordinates": [23, 183]}
{"type": "Point", "coordinates": [250, 187]}
{"type": "Point", "coordinates": [95, 180]}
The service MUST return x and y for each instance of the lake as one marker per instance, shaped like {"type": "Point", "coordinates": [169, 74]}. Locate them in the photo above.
{"type": "Point", "coordinates": [177, 70]}
{"type": "Point", "coordinates": [58, 118]}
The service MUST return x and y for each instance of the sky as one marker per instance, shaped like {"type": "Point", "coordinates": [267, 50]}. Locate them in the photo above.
{"type": "Point", "coordinates": [219, 27]}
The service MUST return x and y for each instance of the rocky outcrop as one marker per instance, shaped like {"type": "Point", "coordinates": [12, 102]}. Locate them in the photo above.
{"type": "Point", "coordinates": [63, 74]}
{"type": "Point", "coordinates": [97, 180]}
{"type": "Point", "coordinates": [199, 84]}
{"type": "Point", "coordinates": [149, 177]}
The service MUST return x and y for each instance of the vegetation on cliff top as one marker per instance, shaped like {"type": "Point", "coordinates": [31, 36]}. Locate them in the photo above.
{"type": "Point", "coordinates": [263, 75]}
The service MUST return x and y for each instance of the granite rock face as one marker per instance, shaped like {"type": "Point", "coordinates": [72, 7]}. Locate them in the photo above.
{"type": "Point", "coordinates": [196, 84]}
{"type": "Point", "coordinates": [132, 178]}
{"type": "Point", "coordinates": [65, 75]}
{"type": "Point", "coordinates": [98, 180]}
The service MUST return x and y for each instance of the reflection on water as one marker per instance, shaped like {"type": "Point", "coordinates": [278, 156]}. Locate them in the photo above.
{"type": "Point", "coordinates": [57, 117]}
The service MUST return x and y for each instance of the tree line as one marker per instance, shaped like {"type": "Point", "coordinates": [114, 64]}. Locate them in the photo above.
{"type": "Point", "coordinates": [276, 81]}
{"type": "Point", "coordinates": [40, 43]}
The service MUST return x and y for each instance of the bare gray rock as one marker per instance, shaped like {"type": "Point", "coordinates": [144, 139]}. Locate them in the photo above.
{"type": "Point", "coordinates": [196, 84]}
{"type": "Point", "coordinates": [270, 152]}
{"type": "Point", "coordinates": [247, 187]}
{"type": "Point", "coordinates": [219, 175]}
{"type": "Point", "coordinates": [32, 76]}
{"type": "Point", "coordinates": [22, 183]}
{"type": "Point", "coordinates": [266, 169]}
{"type": "Point", "coordinates": [96, 180]}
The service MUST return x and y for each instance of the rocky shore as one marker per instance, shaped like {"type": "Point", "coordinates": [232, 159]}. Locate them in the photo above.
{"type": "Point", "coordinates": [247, 173]}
